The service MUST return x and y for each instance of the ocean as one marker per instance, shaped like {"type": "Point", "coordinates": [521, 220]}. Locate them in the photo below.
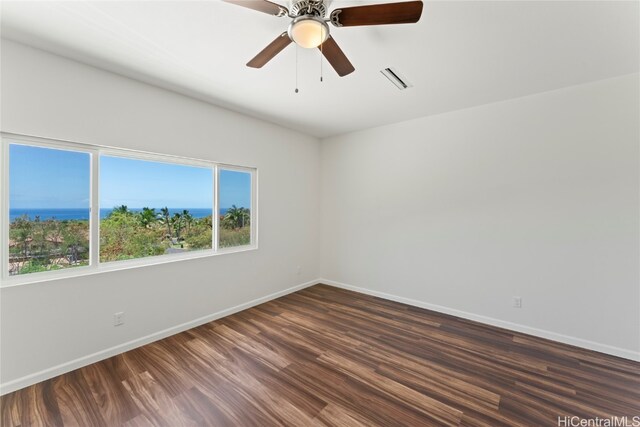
{"type": "Point", "coordinates": [62, 214]}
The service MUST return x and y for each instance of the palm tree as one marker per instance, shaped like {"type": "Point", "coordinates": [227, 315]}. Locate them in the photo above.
{"type": "Point", "coordinates": [120, 210]}
{"type": "Point", "coordinates": [147, 217]}
{"type": "Point", "coordinates": [166, 220]}
{"type": "Point", "coordinates": [188, 219]}
{"type": "Point", "coordinates": [118, 213]}
{"type": "Point", "coordinates": [236, 217]}
{"type": "Point", "coordinates": [178, 223]}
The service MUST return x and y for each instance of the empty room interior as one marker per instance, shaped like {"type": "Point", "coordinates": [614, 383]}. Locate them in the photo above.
{"type": "Point", "coordinates": [320, 213]}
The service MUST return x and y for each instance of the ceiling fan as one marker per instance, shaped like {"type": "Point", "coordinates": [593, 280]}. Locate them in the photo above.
{"type": "Point", "coordinates": [309, 28]}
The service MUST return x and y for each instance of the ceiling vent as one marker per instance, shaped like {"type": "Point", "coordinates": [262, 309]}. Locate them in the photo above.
{"type": "Point", "coordinates": [396, 78]}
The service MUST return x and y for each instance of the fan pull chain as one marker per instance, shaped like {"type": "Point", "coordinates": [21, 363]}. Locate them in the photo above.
{"type": "Point", "coordinates": [296, 68]}
{"type": "Point", "coordinates": [321, 56]}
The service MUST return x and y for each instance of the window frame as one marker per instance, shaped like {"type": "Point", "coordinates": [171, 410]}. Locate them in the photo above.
{"type": "Point", "coordinates": [254, 207]}
{"type": "Point", "coordinates": [95, 152]}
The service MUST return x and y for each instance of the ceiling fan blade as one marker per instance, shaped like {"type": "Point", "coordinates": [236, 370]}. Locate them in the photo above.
{"type": "Point", "coordinates": [336, 57]}
{"type": "Point", "coordinates": [261, 6]}
{"type": "Point", "coordinates": [378, 14]}
{"type": "Point", "coordinates": [267, 54]}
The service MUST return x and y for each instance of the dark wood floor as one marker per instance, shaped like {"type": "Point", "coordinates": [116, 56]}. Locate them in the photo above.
{"type": "Point", "coordinates": [324, 356]}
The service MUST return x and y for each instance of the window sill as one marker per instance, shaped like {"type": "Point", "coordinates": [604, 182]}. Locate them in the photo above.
{"type": "Point", "coordinates": [48, 276]}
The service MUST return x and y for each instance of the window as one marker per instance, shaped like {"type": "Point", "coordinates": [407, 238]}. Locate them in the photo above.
{"type": "Point", "coordinates": [235, 208]}
{"type": "Point", "coordinates": [48, 209]}
{"type": "Point", "coordinates": [152, 208]}
{"type": "Point", "coordinates": [70, 205]}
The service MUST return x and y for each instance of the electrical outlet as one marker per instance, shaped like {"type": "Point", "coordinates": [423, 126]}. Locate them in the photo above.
{"type": "Point", "coordinates": [118, 318]}
{"type": "Point", "coordinates": [517, 302]}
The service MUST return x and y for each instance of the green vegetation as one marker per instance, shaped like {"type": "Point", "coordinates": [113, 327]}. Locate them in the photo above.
{"type": "Point", "coordinates": [235, 227]}
{"type": "Point", "coordinates": [125, 234]}
{"type": "Point", "coordinates": [47, 245]}
{"type": "Point", "coordinates": [230, 238]}
{"type": "Point", "coordinates": [37, 245]}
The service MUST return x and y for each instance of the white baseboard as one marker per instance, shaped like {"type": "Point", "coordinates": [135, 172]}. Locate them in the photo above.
{"type": "Point", "coordinates": [553, 336]}
{"type": "Point", "coordinates": [54, 371]}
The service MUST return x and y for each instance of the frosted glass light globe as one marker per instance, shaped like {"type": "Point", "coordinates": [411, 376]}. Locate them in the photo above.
{"type": "Point", "coordinates": [308, 32]}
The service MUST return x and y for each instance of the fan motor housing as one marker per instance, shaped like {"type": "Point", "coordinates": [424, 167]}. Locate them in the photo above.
{"type": "Point", "coordinates": [309, 7]}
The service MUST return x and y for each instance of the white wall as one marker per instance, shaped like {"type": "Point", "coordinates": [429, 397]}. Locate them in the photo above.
{"type": "Point", "coordinates": [47, 324]}
{"type": "Point", "coordinates": [536, 197]}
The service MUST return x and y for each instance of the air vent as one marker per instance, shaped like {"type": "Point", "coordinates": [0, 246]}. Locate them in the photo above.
{"type": "Point", "coordinates": [396, 78]}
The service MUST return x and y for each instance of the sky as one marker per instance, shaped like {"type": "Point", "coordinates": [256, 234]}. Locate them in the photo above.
{"type": "Point", "coordinates": [48, 178]}
{"type": "Point", "coordinates": [235, 189]}
{"type": "Point", "coordinates": [141, 183]}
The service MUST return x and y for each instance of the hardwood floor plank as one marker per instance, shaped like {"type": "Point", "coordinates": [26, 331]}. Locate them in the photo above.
{"type": "Point", "coordinates": [77, 407]}
{"type": "Point", "coordinates": [202, 409]}
{"type": "Point", "coordinates": [111, 397]}
{"type": "Point", "coordinates": [251, 346]}
{"type": "Point", "coordinates": [358, 397]}
{"type": "Point", "coordinates": [333, 415]}
{"type": "Point", "coordinates": [330, 357]}
{"type": "Point", "coordinates": [394, 390]}
{"type": "Point", "coordinates": [153, 401]}
{"type": "Point", "coordinates": [11, 410]}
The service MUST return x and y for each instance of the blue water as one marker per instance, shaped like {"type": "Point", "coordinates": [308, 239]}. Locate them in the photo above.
{"type": "Point", "coordinates": [62, 214]}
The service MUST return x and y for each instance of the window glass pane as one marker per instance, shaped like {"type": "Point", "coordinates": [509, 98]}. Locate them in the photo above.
{"type": "Point", "coordinates": [235, 208]}
{"type": "Point", "coordinates": [150, 208]}
{"type": "Point", "coordinates": [48, 209]}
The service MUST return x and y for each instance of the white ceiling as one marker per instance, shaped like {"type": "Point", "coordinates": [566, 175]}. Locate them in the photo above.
{"type": "Point", "coordinates": [460, 54]}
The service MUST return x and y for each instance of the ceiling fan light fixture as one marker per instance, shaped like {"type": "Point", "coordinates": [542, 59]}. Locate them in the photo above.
{"type": "Point", "coordinates": [308, 31]}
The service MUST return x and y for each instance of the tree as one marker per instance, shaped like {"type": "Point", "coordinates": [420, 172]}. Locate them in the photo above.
{"type": "Point", "coordinates": [73, 243]}
{"type": "Point", "coordinates": [20, 233]}
{"type": "Point", "coordinates": [178, 224]}
{"type": "Point", "coordinates": [121, 210]}
{"type": "Point", "coordinates": [40, 245]}
{"type": "Point", "coordinates": [122, 237]}
{"type": "Point", "coordinates": [236, 217]}
{"type": "Point", "coordinates": [188, 219]}
{"type": "Point", "coordinates": [147, 217]}
{"type": "Point", "coordinates": [165, 218]}
{"type": "Point", "coordinates": [55, 233]}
